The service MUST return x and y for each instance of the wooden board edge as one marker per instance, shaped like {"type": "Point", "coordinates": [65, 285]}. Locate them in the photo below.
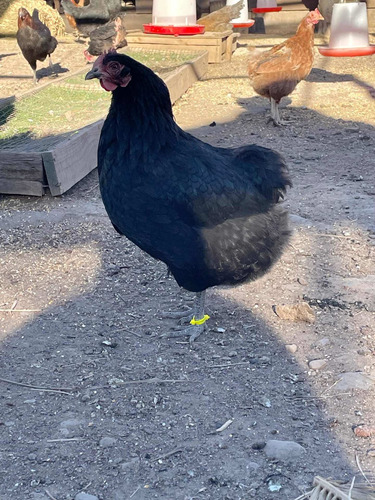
{"type": "Point", "coordinates": [55, 160]}
{"type": "Point", "coordinates": [50, 170]}
{"type": "Point", "coordinates": [21, 187]}
{"type": "Point", "coordinates": [182, 78]}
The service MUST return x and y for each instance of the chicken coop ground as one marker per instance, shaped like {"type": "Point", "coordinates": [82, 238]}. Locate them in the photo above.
{"type": "Point", "coordinates": [94, 400]}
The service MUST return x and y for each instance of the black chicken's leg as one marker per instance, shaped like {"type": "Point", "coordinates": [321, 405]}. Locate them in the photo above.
{"type": "Point", "coordinates": [33, 69]}
{"type": "Point", "coordinates": [197, 323]}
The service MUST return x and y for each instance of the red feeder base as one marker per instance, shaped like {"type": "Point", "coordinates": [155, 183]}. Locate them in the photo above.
{"type": "Point", "coordinates": [355, 51]}
{"type": "Point", "coordinates": [194, 29]}
{"type": "Point", "coordinates": [266, 9]}
{"type": "Point", "coordinates": [248, 24]}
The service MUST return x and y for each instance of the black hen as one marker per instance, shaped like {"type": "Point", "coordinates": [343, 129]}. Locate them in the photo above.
{"type": "Point", "coordinates": [34, 39]}
{"type": "Point", "coordinates": [209, 213]}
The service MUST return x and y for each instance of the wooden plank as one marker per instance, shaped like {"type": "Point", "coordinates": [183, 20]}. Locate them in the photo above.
{"type": "Point", "coordinates": [26, 166]}
{"type": "Point", "coordinates": [173, 41]}
{"type": "Point", "coordinates": [72, 159]}
{"type": "Point", "coordinates": [215, 43]}
{"type": "Point", "coordinates": [182, 78]}
{"type": "Point", "coordinates": [16, 186]}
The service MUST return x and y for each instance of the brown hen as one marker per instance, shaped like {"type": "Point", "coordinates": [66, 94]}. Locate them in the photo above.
{"type": "Point", "coordinates": [275, 73]}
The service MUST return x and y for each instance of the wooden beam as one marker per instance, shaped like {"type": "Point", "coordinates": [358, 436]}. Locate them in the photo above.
{"type": "Point", "coordinates": [15, 186]}
{"type": "Point", "coordinates": [72, 159]}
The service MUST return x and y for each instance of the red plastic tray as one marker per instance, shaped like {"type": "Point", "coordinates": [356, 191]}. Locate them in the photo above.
{"type": "Point", "coordinates": [195, 29]}
{"type": "Point", "coordinates": [267, 9]}
{"type": "Point", "coordinates": [356, 51]}
{"type": "Point", "coordinates": [248, 24]}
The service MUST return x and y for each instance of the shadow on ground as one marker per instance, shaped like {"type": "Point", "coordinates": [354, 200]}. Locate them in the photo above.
{"type": "Point", "coordinates": [134, 415]}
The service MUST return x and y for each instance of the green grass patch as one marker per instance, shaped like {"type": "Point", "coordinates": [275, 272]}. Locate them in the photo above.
{"type": "Point", "coordinates": [63, 107]}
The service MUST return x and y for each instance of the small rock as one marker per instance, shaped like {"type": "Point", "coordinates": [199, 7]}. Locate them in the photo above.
{"type": "Point", "coordinates": [317, 364]}
{"type": "Point", "coordinates": [264, 402]}
{"type": "Point", "coordinates": [71, 427]}
{"type": "Point", "coordinates": [286, 451]}
{"type": "Point", "coordinates": [112, 270]}
{"type": "Point", "coordinates": [107, 442]}
{"type": "Point", "coordinates": [259, 445]}
{"type": "Point", "coordinates": [213, 124]}
{"type": "Point", "coordinates": [127, 466]}
{"type": "Point", "coordinates": [85, 496]}
{"type": "Point", "coordinates": [295, 312]}
{"type": "Point", "coordinates": [109, 343]}
{"type": "Point", "coordinates": [371, 452]}
{"type": "Point", "coordinates": [302, 281]}
{"type": "Point", "coordinates": [31, 456]}
{"type": "Point", "coordinates": [364, 352]}
{"type": "Point", "coordinates": [232, 354]}
{"type": "Point", "coordinates": [220, 330]}
{"type": "Point", "coordinates": [364, 431]}
{"type": "Point", "coordinates": [323, 342]}
{"type": "Point", "coordinates": [253, 465]}
{"type": "Point", "coordinates": [355, 380]}
{"type": "Point", "coordinates": [274, 485]}
{"type": "Point", "coordinates": [292, 348]}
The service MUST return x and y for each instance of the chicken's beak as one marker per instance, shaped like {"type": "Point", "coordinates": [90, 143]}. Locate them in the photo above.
{"type": "Point", "coordinates": [94, 73]}
{"type": "Point", "coordinates": [319, 15]}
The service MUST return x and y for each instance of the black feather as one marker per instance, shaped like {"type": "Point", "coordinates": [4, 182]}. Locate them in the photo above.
{"type": "Point", "coordinates": [209, 213]}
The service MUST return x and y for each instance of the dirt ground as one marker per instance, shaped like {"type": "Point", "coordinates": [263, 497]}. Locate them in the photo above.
{"type": "Point", "coordinates": [95, 401]}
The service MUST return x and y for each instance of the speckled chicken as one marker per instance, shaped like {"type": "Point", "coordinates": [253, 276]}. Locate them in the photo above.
{"type": "Point", "coordinates": [95, 10]}
{"type": "Point", "coordinates": [219, 20]}
{"type": "Point", "coordinates": [276, 72]}
{"type": "Point", "coordinates": [111, 35]}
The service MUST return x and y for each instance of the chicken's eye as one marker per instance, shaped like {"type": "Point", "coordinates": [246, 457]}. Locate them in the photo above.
{"type": "Point", "coordinates": [114, 67]}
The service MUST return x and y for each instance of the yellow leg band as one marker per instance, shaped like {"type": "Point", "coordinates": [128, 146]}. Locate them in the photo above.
{"type": "Point", "coordinates": [199, 321]}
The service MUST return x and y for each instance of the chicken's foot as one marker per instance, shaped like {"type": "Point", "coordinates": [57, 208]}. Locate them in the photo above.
{"type": "Point", "coordinates": [185, 314]}
{"type": "Point", "coordinates": [197, 323]}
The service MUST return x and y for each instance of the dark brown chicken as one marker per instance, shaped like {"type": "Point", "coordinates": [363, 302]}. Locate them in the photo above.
{"type": "Point", "coordinates": [275, 73]}
{"type": "Point", "coordinates": [111, 35]}
{"type": "Point", "coordinates": [219, 20]}
{"type": "Point", "coordinates": [34, 39]}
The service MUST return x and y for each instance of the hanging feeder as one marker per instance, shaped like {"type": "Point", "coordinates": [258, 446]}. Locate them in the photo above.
{"type": "Point", "coordinates": [349, 31]}
{"type": "Point", "coordinates": [266, 6]}
{"type": "Point", "coordinates": [243, 21]}
{"type": "Point", "coordinates": [170, 17]}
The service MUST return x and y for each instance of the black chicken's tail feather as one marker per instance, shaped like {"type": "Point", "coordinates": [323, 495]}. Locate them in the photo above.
{"type": "Point", "coordinates": [267, 169]}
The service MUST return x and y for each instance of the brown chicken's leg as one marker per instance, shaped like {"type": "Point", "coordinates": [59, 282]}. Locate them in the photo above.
{"type": "Point", "coordinates": [275, 116]}
{"type": "Point", "coordinates": [197, 325]}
